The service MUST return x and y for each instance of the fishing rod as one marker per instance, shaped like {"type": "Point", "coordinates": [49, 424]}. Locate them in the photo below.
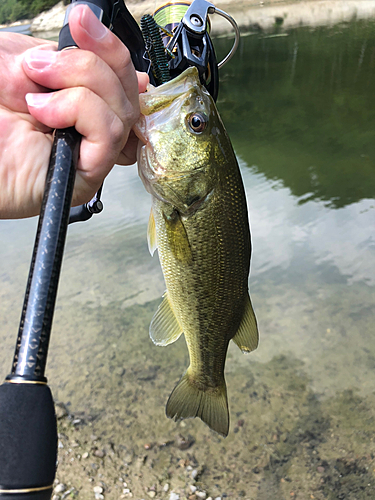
{"type": "Point", "coordinates": [175, 37]}
{"type": "Point", "coordinates": [28, 433]}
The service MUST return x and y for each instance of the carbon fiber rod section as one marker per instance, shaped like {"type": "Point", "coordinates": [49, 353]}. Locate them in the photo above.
{"type": "Point", "coordinates": [37, 314]}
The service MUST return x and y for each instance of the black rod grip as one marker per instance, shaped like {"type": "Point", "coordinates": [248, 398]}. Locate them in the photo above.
{"type": "Point", "coordinates": [39, 303]}
{"type": "Point", "coordinates": [28, 441]}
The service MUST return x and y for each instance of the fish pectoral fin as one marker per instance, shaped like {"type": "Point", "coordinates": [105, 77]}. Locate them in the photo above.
{"type": "Point", "coordinates": [177, 237]}
{"type": "Point", "coordinates": [164, 327]}
{"type": "Point", "coordinates": [210, 405]}
{"type": "Point", "coordinates": [247, 336]}
{"type": "Point", "coordinates": [151, 234]}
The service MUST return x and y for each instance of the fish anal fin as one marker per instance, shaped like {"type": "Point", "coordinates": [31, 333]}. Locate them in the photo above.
{"type": "Point", "coordinates": [187, 400]}
{"type": "Point", "coordinates": [247, 336]}
{"type": "Point", "coordinates": [151, 234]}
{"type": "Point", "coordinates": [164, 327]}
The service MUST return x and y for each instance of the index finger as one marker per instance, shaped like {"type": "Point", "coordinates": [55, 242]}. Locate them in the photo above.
{"type": "Point", "coordinates": [90, 34]}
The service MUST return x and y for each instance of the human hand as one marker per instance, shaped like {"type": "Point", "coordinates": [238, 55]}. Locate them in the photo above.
{"type": "Point", "coordinates": [97, 93]}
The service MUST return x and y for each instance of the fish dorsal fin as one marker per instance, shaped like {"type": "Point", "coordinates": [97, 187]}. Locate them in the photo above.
{"type": "Point", "coordinates": [177, 237]}
{"type": "Point", "coordinates": [247, 336]}
{"type": "Point", "coordinates": [151, 234]}
{"type": "Point", "coordinates": [164, 327]}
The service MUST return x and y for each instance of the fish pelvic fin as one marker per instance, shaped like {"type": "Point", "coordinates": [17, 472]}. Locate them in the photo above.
{"type": "Point", "coordinates": [247, 336]}
{"type": "Point", "coordinates": [151, 234]}
{"type": "Point", "coordinates": [187, 400]}
{"type": "Point", "coordinates": [164, 327]}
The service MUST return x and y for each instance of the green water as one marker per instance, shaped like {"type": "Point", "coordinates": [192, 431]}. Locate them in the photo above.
{"type": "Point", "coordinates": [300, 110]}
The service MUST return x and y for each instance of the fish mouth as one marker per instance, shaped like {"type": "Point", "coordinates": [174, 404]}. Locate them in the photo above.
{"type": "Point", "coordinates": [149, 169]}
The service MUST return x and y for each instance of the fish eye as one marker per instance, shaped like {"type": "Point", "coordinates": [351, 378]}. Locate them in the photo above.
{"type": "Point", "coordinates": [197, 122]}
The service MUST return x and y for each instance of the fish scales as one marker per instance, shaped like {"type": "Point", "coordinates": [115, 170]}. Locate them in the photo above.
{"type": "Point", "coordinates": [214, 276]}
{"type": "Point", "coordinates": [199, 223]}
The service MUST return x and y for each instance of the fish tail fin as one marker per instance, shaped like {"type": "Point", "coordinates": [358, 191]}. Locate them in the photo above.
{"type": "Point", "coordinates": [210, 405]}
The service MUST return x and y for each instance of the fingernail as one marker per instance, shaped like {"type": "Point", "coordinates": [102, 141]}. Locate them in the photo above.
{"type": "Point", "coordinates": [40, 59]}
{"type": "Point", "coordinates": [91, 24]}
{"type": "Point", "coordinates": [38, 100]}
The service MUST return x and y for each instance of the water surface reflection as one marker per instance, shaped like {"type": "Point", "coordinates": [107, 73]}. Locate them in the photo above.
{"type": "Point", "coordinates": [304, 105]}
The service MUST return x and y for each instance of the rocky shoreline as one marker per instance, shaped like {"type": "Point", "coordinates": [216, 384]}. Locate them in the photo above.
{"type": "Point", "coordinates": [249, 14]}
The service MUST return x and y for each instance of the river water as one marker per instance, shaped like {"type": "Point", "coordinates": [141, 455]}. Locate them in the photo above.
{"type": "Point", "coordinates": [299, 107]}
{"type": "Point", "coordinates": [22, 29]}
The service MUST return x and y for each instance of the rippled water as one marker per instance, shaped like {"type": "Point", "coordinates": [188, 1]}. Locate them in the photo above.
{"type": "Point", "coordinates": [300, 112]}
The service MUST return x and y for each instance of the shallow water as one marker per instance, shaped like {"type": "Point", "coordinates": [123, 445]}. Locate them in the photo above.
{"type": "Point", "coordinates": [299, 109]}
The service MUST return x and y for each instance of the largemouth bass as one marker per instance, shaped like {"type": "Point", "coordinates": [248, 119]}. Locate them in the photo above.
{"type": "Point", "coordinates": [199, 224]}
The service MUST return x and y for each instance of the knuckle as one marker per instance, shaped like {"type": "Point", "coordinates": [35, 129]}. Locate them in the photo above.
{"type": "Point", "coordinates": [81, 60]}
{"type": "Point", "coordinates": [73, 99]}
{"type": "Point", "coordinates": [126, 59]}
{"type": "Point", "coordinates": [125, 68]}
{"type": "Point", "coordinates": [81, 95]}
{"type": "Point", "coordinates": [87, 61]}
{"type": "Point", "coordinates": [122, 53]}
{"type": "Point", "coordinates": [131, 114]}
{"type": "Point", "coordinates": [117, 130]}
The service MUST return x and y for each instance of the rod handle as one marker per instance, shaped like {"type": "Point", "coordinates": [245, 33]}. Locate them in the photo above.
{"type": "Point", "coordinates": [28, 441]}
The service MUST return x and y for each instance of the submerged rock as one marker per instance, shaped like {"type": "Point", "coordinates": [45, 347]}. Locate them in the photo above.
{"type": "Point", "coordinates": [184, 443]}
{"type": "Point", "coordinates": [61, 411]}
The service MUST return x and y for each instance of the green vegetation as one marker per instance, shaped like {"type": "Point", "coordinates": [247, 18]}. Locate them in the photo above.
{"type": "Point", "coordinates": [15, 10]}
